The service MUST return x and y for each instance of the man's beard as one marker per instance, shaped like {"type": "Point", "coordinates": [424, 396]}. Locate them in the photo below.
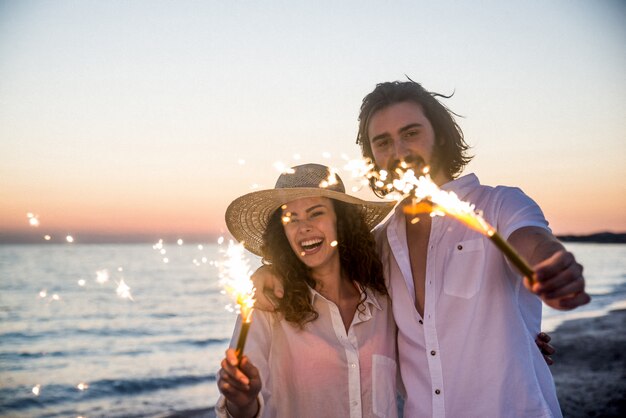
{"type": "Point", "coordinates": [413, 162]}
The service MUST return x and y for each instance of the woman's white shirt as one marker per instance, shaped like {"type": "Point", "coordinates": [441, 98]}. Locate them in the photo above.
{"type": "Point", "coordinates": [322, 370]}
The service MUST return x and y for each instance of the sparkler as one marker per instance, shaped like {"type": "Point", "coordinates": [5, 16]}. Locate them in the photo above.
{"type": "Point", "coordinates": [429, 198]}
{"type": "Point", "coordinates": [235, 278]}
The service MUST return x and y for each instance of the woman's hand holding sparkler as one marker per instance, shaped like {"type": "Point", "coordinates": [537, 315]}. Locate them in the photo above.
{"type": "Point", "coordinates": [240, 384]}
{"type": "Point", "coordinates": [558, 278]}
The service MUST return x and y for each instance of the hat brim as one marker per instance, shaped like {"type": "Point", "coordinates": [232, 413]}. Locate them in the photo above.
{"type": "Point", "coordinates": [247, 216]}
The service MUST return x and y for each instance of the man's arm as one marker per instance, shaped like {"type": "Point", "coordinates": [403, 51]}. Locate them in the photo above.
{"type": "Point", "coordinates": [558, 277]}
{"type": "Point", "coordinates": [268, 289]}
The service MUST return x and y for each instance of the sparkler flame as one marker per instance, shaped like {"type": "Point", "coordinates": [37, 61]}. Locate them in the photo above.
{"type": "Point", "coordinates": [234, 273]}
{"type": "Point", "coordinates": [429, 198]}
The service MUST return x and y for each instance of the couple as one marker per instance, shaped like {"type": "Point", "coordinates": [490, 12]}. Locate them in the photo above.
{"type": "Point", "coordinates": [465, 319]}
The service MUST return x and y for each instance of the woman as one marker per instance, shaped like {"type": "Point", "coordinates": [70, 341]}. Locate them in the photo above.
{"type": "Point", "coordinates": [329, 349]}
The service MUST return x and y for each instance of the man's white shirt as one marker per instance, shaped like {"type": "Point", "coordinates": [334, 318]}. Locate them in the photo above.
{"type": "Point", "coordinates": [473, 353]}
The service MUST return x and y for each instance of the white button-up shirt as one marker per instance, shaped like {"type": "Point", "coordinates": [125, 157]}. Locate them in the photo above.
{"type": "Point", "coordinates": [473, 353]}
{"type": "Point", "coordinates": [322, 370]}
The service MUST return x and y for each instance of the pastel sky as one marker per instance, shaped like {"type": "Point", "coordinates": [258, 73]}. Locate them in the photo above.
{"type": "Point", "coordinates": [149, 117]}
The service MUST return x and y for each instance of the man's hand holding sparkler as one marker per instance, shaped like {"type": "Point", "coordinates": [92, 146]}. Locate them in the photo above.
{"type": "Point", "coordinates": [558, 278]}
{"type": "Point", "coordinates": [240, 384]}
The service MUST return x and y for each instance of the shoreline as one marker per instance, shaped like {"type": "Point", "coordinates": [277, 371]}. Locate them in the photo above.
{"type": "Point", "coordinates": [589, 370]}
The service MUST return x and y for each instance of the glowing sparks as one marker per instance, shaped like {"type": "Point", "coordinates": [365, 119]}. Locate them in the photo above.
{"type": "Point", "coordinates": [334, 243]}
{"type": "Point", "coordinates": [102, 276]}
{"type": "Point", "coordinates": [241, 161]}
{"type": "Point", "coordinates": [69, 239]}
{"type": "Point", "coordinates": [283, 168]}
{"type": "Point", "coordinates": [427, 197]}
{"type": "Point", "coordinates": [200, 247]}
{"type": "Point", "coordinates": [36, 390]}
{"type": "Point", "coordinates": [33, 220]}
{"type": "Point", "coordinates": [360, 170]}
{"type": "Point", "coordinates": [331, 180]}
{"type": "Point", "coordinates": [47, 237]}
{"type": "Point", "coordinates": [179, 242]}
{"type": "Point", "coordinates": [43, 293]}
{"type": "Point", "coordinates": [220, 240]}
{"type": "Point", "coordinates": [55, 297]}
{"type": "Point", "coordinates": [297, 157]}
{"type": "Point", "coordinates": [82, 386]}
{"type": "Point", "coordinates": [234, 273]}
{"type": "Point", "coordinates": [166, 260]}
{"type": "Point", "coordinates": [123, 291]}
{"type": "Point", "coordinates": [326, 155]}
{"type": "Point", "coordinates": [81, 282]}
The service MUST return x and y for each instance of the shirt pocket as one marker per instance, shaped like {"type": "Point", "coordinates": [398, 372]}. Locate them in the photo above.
{"type": "Point", "coordinates": [384, 386]}
{"type": "Point", "coordinates": [465, 268]}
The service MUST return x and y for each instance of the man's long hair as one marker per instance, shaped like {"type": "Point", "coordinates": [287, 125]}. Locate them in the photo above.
{"type": "Point", "coordinates": [357, 254]}
{"type": "Point", "coordinates": [450, 152]}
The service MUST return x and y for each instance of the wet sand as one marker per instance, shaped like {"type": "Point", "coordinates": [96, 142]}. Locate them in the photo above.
{"type": "Point", "coordinates": [590, 366]}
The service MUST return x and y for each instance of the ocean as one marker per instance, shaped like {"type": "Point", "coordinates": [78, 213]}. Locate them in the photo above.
{"type": "Point", "coordinates": [139, 330]}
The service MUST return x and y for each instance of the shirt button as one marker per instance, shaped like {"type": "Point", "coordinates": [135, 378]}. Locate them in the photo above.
{"type": "Point", "coordinates": [353, 365]}
{"type": "Point", "coordinates": [459, 247]}
{"type": "Point", "coordinates": [433, 352]}
{"type": "Point", "coordinates": [437, 391]}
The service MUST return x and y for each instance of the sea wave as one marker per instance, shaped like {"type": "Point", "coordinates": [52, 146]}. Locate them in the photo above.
{"type": "Point", "coordinates": [21, 397]}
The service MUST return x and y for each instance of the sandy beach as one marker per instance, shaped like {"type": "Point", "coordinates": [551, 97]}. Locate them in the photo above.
{"type": "Point", "coordinates": [589, 369]}
{"type": "Point", "coordinates": [590, 366]}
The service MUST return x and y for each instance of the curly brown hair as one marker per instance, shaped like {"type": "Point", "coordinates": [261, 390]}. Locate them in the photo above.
{"type": "Point", "coordinates": [450, 152]}
{"type": "Point", "coordinates": [357, 254]}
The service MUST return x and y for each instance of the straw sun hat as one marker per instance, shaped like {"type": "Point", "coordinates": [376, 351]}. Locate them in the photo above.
{"type": "Point", "coordinates": [248, 215]}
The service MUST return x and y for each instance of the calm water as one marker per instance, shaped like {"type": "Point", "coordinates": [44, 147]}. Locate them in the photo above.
{"type": "Point", "coordinates": [160, 352]}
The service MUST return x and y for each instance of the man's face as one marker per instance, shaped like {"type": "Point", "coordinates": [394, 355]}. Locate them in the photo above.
{"type": "Point", "coordinates": [401, 132]}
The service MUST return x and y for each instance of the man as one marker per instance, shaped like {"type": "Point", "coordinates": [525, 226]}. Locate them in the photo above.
{"type": "Point", "coordinates": [465, 320]}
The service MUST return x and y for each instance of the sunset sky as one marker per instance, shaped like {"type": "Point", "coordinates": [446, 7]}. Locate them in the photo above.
{"type": "Point", "coordinates": [148, 117]}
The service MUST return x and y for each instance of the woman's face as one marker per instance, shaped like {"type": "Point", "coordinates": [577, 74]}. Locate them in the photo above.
{"type": "Point", "coordinates": [311, 228]}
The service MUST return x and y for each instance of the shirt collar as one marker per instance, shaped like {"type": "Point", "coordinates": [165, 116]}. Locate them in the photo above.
{"type": "Point", "coordinates": [462, 186]}
{"type": "Point", "coordinates": [371, 299]}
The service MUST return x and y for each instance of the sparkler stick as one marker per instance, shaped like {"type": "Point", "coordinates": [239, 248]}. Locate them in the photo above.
{"type": "Point", "coordinates": [430, 198]}
{"type": "Point", "coordinates": [241, 341]}
{"type": "Point", "coordinates": [235, 277]}
{"type": "Point", "coordinates": [511, 254]}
